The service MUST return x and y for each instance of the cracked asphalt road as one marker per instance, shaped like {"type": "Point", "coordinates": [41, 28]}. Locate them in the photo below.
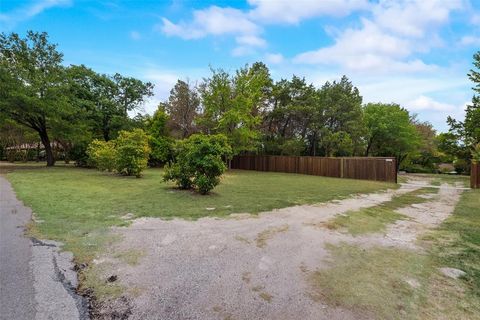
{"type": "Point", "coordinates": [36, 279]}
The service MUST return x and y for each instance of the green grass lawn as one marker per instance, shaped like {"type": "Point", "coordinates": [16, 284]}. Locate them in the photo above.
{"type": "Point", "coordinates": [76, 205]}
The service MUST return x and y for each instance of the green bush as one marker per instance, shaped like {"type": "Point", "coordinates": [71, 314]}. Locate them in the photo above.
{"type": "Point", "coordinates": [416, 168]}
{"type": "Point", "coordinates": [102, 155]}
{"type": "Point", "coordinates": [178, 172]}
{"type": "Point", "coordinates": [292, 147]}
{"type": "Point", "coordinates": [199, 162]}
{"type": "Point", "coordinates": [78, 153]}
{"type": "Point", "coordinates": [133, 151]}
{"type": "Point", "coordinates": [461, 166]}
{"type": "Point", "coordinates": [162, 150]}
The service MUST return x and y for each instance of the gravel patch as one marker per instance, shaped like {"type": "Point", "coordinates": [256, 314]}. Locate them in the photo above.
{"type": "Point", "coordinates": [250, 267]}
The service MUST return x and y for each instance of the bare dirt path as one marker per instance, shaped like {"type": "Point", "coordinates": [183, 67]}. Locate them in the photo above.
{"type": "Point", "coordinates": [248, 267]}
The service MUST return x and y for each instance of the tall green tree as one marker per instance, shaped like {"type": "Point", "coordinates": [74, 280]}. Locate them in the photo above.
{"type": "Point", "coordinates": [469, 130]}
{"type": "Point", "coordinates": [389, 131]}
{"type": "Point", "coordinates": [33, 85]}
{"type": "Point", "coordinates": [287, 122]}
{"type": "Point", "coordinates": [160, 140]}
{"type": "Point", "coordinates": [232, 104]}
{"type": "Point", "coordinates": [107, 99]}
{"type": "Point", "coordinates": [131, 93]}
{"type": "Point", "coordinates": [338, 124]}
{"type": "Point", "coordinates": [464, 135]}
{"type": "Point", "coordinates": [472, 113]}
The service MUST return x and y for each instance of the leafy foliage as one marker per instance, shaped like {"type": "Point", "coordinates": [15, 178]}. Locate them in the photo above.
{"type": "Point", "coordinates": [73, 105]}
{"type": "Point", "coordinates": [102, 155]}
{"type": "Point", "coordinates": [199, 162]}
{"type": "Point", "coordinates": [476, 153]}
{"type": "Point", "coordinates": [232, 105]}
{"type": "Point", "coordinates": [467, 132]}
{"type": "Point", "coordinates": [132, 152]}
{"type": "Point", "coordinates": [390, 131]}
{"type": "Point", "coordinates": [161, 143]}
{"type": "Point", "coordinates": [32, 85]}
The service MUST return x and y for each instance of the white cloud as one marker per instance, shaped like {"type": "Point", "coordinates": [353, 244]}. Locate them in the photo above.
{"type": "Point", "coordinates": [9, 20]}
{"type": "Point", "coordinates": [245, 25]}
{"type": "Point", "coordinates": [274, 58]}
{"type": "Point", "coordinates": [292, 12]}
{"type": "Point", "coordinates": [135, 35]}
{"type": "Point", "coordinates": [475, 19]}
{"type": "Point", "coordinates": [388, 41]}
{"type": "Point", "coordinates": [242, 51]}
{"type": "Point", "coordinates": [251, 40]}
{"type": "Point", "coordinates": [470, 40]}
{"type": "Point", "coordinates": [368, 48]}
{"type": "Point", "coordinates": [413, 18]}
{"type": "Point", "coordinates": [218, 21]}
{"type": "Point", "coordinates": [163, 81]}
{"type": "Point", "coordinates": [211, 21]}
{"type": "Point", "coordinates": [429, 104]}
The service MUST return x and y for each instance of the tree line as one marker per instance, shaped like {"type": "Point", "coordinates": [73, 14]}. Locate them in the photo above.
{"type": "Point", "coordinates": [74, 105]}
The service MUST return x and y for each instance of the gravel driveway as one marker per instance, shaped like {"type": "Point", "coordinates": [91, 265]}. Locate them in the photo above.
{"type": "Point", "coordinates": [247, 267]}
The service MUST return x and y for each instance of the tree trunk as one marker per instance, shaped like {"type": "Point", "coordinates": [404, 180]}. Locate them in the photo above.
{"type": "Point", "coordinates": [369, 145]}
{"type": "Point", "coordinates": [48, 148]}
{"type": "Point", "coordinates": [38, 152]}
{"type": "Point", "coordinates": [368, 149]}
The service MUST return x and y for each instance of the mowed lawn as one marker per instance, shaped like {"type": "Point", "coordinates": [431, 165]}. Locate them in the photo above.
{"type": "Point", "coordinates": [76, 206]}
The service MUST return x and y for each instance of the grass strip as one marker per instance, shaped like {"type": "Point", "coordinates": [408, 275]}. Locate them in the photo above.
{"type": "Point", "coordinates": [375, 219]}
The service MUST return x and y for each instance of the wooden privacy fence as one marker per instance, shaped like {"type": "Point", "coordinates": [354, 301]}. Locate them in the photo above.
{"type": "Point", "coordinates": [371, 168]}
{"type": "Point", "coordinates": [475, 176]}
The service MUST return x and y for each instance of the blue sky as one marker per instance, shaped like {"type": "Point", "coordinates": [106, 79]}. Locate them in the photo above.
{"type": "Point", "coordinates": [412, 52]}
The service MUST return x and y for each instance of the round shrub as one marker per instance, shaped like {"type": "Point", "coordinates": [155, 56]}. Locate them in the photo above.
{"type": "Point", "coordinates": [133, 151]}
{"type": "Point", "coordinates": [162, 150]}
{"type": "Point", "coordinates": [102, 155]}
{"type": "Point", "coordinates": [199, 162]}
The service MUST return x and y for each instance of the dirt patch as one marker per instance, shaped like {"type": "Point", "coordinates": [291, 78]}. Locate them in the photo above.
{"type": "Point", "coordinates": [246, 267]}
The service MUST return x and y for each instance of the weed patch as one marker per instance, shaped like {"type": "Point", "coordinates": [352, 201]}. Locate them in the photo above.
{"type": "Point", "coordinates": [265, 235]}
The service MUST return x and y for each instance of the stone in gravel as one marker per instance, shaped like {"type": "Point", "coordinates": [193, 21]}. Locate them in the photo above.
{"type": "Point", "coordinates": [413, 283]}
{"type": "Point", "coordinates": [128, 216]}
{"type": "Point", "coordinates": [112, 278]}
{"type": "Point", "coordinates": [452, 272]}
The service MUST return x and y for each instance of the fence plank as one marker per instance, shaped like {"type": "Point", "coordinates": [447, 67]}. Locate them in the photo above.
{"type": "Point", "coordinates": [475, 176]}
{"type": "Point", "coordinates": [371, 168]}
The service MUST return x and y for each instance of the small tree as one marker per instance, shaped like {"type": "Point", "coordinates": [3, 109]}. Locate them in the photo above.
{"type": "Point", "coordinates": [198, 163]}
{"type": "Point", "coordinates": [132, 152]}
{"type": "Point", "coordinates": [161, 143]}
{"type": "Point", "coordinates": [102, 155]}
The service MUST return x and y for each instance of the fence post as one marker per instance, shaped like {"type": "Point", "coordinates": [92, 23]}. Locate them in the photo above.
{"type": "Point", "coordinates": [341, 167]}
{"type": "Point", "coordinates": [475, 175]}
